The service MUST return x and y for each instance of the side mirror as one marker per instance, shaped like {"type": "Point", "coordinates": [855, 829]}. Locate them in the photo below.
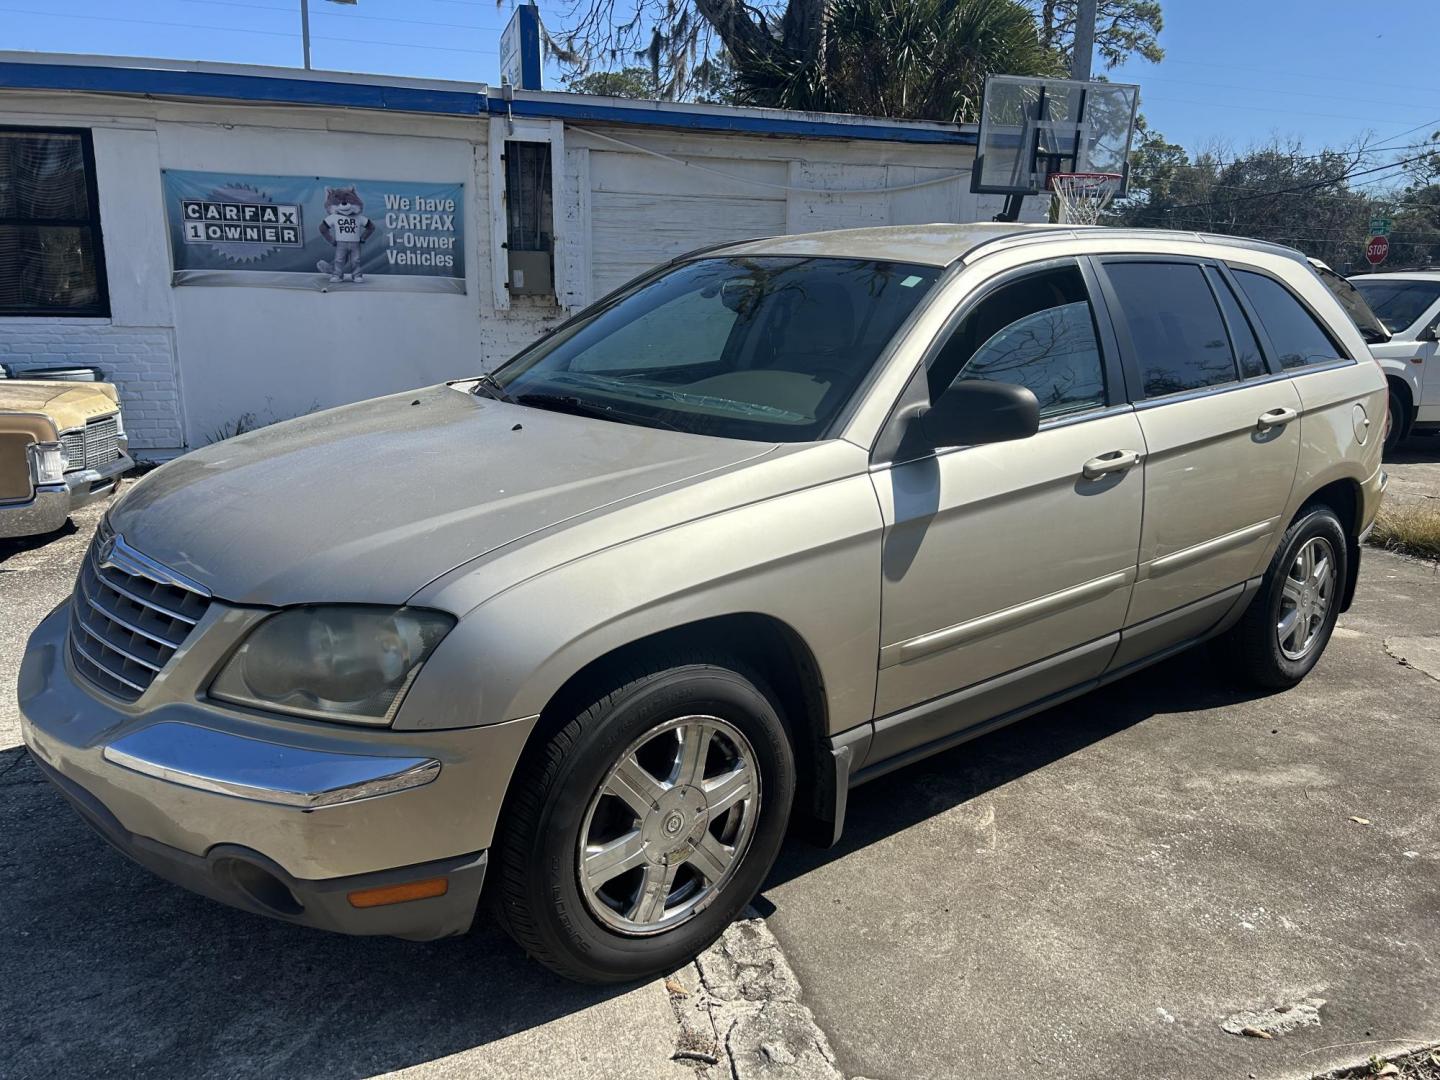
{"type": "Point", "coordinates": [1430, 333]}
{"type": "Point", "coordinates": [976, 411]}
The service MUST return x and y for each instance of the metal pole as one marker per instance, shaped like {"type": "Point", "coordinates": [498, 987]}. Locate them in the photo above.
{"type": "Point", "coordinates": [1084, 40]}
{"type": "Point", "coordinates": [305, 30]}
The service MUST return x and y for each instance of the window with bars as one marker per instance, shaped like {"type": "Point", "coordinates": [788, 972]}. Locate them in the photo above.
{"type": "Point", "coordinates": [51, 259]}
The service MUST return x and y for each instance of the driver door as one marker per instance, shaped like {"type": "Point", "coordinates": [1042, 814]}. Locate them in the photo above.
{"type": "Point", "coordinates": [1008, 567]}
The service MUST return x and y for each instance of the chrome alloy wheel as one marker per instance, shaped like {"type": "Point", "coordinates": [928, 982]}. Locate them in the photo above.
{"type": "Point", "coordinates": [1305, 598]}
{"type": "Point", "coordinates": [670, 824]}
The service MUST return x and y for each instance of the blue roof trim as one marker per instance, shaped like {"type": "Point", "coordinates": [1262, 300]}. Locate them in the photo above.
{"type": "Point", "coordinates": [735, 123]}
{"type": "Point", "coordinates": [164, 82]}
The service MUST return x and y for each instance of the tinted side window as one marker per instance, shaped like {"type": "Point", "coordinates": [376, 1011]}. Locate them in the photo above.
{"type": "Point", "coordinates": [1037, 332]}
{"type": "Point", "coordinates": [1179, 338]}
{"type": "Point", "coordinates": [1242, 335]}
{"type": "Point", "coordinates": [1297, 337]}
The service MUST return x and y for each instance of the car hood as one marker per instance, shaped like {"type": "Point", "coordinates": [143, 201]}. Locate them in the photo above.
{"type": "Point", "coordinates": [67, 404]}
{"type": "Point", "coordinates": [369, 502]}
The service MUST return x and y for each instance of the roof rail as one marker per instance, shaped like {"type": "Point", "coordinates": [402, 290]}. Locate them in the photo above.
{"type": "Point", "coordinates": [1031, 235]}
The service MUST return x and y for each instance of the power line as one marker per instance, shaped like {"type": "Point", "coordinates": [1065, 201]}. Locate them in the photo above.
{"type": "Point", "coordinates": [1300, 189]}
{"type": "Point", "coordinates": [1146, 99]}
{"type": "Point", "coordinates": [1293, 93]}
{"type": "Point", "coordinates": [1329, 79]}
{"type": "Point", "coordinates": [346, 15]}
{"type": "Point", "coordinates": [292, 34]}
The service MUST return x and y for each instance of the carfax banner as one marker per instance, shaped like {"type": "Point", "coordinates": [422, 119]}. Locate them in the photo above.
{"type": "Point", "coordinates": [315, 232]}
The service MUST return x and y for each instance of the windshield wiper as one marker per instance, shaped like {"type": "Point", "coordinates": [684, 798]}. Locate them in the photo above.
{"type": "Point", "coordinates": [488, 385]}
{"type": "Point", "coordinates": [576, 406]}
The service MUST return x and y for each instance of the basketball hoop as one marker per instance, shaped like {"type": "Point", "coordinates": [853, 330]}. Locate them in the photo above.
{"type": "Point", "coordinates": [1083, 196]}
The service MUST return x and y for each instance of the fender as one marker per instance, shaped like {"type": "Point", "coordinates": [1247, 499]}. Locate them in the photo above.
{"type": "Point", "coordinates": [809, 559]}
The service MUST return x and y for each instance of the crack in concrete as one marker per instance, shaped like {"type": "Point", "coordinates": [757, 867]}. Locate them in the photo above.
{"type": "Point", "coordinates": [741, 998]}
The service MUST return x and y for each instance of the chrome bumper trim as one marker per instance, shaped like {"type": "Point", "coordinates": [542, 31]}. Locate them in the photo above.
{"type": "Point", "coordinates": [53, 503]}
{"type": "Point", "coordinates": [259, 771]}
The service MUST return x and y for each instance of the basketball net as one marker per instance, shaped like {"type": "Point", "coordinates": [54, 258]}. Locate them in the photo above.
{"type": "Point", "coordinates": [1080, 198]}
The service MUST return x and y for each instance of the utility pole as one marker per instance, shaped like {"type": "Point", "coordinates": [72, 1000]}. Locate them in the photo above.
{"type": "Point", "coordinates": [1084, 40]}
{"type": "Point", "coordinates": [305, 30]}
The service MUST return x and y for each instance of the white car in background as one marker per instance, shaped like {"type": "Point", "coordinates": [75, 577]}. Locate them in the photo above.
{"type": "Point", "coordinates": [1407, 302]}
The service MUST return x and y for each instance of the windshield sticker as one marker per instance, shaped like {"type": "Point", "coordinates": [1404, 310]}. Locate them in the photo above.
{"type": "Point", "coordinates": [911, 281]}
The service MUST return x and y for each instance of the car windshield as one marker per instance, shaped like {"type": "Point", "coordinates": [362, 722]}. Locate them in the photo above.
{"type": "Point", "coordinates": [1397, 301]}
{"type": "Point", "coordinates": [747, 347]}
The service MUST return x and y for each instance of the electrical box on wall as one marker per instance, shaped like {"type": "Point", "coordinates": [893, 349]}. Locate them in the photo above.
{"type": "Point", "coordinates": [531, 274]}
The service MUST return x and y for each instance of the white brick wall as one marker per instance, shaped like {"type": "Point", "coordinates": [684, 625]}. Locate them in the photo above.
{"type": "Point", "coordinates": [139, 360]}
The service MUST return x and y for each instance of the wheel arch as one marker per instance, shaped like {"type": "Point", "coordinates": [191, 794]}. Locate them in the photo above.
{"type": "Point", "coordinates": [757, 642]}
{"type": "Point", "coordinates": [1345, 498]}
{"type": "Point", "coordinates": [1406, 393]}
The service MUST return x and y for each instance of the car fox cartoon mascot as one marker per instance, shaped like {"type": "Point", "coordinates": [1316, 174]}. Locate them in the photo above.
{"type": "Point", "coordinates": [346, 226]}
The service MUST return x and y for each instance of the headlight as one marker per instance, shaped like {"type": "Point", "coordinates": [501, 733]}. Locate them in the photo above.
{"type": "Point", "coordinates": [334, 663]}
{"type": "Point", "coordinates": [48, 462]}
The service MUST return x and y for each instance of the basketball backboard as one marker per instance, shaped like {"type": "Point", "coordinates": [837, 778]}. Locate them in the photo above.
{"type": "Point", "coordinates": [1031, 127]}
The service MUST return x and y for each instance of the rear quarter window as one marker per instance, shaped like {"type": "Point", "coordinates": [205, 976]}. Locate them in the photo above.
{"type": "Point", "coordinates": [1296, 335]}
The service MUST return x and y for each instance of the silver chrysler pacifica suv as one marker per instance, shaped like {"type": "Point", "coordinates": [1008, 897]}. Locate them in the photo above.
{"type": "Point", "coordinates": [768, 522]}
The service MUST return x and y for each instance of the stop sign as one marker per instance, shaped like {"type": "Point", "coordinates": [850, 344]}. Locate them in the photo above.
{"type": "Point", "coordinates": [1377, 249]}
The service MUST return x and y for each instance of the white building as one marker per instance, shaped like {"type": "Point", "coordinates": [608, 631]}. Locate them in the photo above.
{"type": "Point", "coordinates": [99, 240]}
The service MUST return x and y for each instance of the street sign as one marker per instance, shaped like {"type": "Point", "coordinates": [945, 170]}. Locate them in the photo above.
{"type": "Point", "coordinates": [1377, 249]}
{"type": "Point", "coordinates": [1380, 226]}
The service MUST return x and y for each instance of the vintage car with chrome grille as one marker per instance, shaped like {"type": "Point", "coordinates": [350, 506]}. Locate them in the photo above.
{"type": "Point", "coordinates": [62, 445]}
{"type": "Point", "coordinates": [771, 521]}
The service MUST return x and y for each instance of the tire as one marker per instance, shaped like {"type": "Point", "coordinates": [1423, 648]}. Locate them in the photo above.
{"type": "Point", "coordinates": [566, 788]}
{"type": "Point", "coordinates": [1397, 422]}
{"type": "Point", "coordinates": [1258, 650]}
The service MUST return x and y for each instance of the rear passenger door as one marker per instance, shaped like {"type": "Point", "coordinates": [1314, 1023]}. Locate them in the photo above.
{"type": "Point", "coordinates": [1222, 441]}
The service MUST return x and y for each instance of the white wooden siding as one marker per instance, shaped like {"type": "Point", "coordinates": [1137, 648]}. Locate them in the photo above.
{"type": "Point", "coordinates": [644, 211]}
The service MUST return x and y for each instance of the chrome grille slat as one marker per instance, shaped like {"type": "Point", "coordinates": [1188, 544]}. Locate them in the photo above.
{"type": "Point", "coordinates": [142, 601]}
{"type": "Point", "coordinates": [75, 644]}
{"type": "Point", "coordinates": [94, 445]}
{"type": "Point", "coordinates": [120, 620]}
{"type": "Point", "coordinates": [128, 617]}
{"type": "Point", "coordinates": [126, 653]}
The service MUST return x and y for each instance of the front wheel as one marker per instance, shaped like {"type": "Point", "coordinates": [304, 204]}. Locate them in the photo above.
{"type": "Point", "coordinates": [1396, 423]}
{"type": "Point", "coordinates": [646, 824]}
{"type": "Point", "coordinates": [1289, 621]}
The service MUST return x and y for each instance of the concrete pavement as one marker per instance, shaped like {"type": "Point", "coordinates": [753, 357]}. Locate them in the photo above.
{"type": "Point", "coordinates": [1092, 892]}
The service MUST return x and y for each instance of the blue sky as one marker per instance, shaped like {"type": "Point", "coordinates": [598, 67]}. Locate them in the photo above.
{"type": "Point", "coordinates": [1236, 71]}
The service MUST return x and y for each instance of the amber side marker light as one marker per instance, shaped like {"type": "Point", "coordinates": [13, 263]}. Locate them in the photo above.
{"type": "Point", "coordinates": [399, 894]}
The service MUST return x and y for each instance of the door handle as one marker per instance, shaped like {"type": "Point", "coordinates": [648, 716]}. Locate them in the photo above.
{"type": "Point", "coordinates": [1276, 417]}
{"type": "Point", "coordinates": [1114, 461]}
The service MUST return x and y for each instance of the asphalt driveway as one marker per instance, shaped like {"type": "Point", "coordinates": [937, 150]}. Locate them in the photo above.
{"type": "Point", "coordinates": [1089, 893]}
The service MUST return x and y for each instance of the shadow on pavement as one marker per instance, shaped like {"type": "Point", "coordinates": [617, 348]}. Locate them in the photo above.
{"type": "Point", "coordinates": [1416, 450]}
{"type": "Point", "coordinates": [105, 969]}
{"type": "Point", "coordinates": [890, 804]}
{"type": "Point", "coordinates": [16, 545]}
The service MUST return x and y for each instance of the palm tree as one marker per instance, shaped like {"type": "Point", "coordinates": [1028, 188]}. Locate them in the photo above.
{"type": "Point", "coordinates": [908, 59]}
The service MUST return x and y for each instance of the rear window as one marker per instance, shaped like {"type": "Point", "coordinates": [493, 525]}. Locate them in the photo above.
{"type": "Point", "coordinates": [1398, 303]}
{"type": "Point", "coordinates": [1179, 337]}
{"type": "Point", "coordinates": [1297, 337]}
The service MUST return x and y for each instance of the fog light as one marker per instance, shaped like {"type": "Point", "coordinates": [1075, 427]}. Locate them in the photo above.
{"type": "Point", "coordinates": [399, 894]}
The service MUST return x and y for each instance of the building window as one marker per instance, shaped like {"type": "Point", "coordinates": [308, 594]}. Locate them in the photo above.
{"type": "Point", "coordinates": [51, 260]}
{"type": "Point", "coordinates": [529, 219]}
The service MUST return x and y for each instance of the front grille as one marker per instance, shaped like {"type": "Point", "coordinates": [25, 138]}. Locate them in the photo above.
{"type": "Point", "coordinates": [127, 617]}
{"type": "Point", "coordinates": [93, 445]}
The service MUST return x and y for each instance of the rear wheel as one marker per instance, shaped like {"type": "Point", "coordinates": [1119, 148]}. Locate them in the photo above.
{"type": "Point", "coordinates": [646, 824]}
{"type": "Point", "coordinates": [1288, 624]}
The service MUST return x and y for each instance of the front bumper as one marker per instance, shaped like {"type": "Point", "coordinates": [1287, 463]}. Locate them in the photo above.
{"type": "Point", "coordinates": [283, 817]}
{"type": "Point", "coordinates": [52, 504]}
